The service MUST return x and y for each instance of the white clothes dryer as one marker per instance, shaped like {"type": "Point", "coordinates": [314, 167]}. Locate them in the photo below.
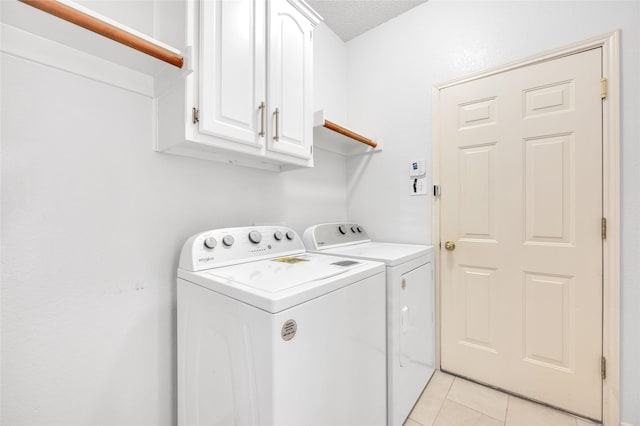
{"type": "Point", "coordinates": [410, 307]}
{"type": "Point", "coordinates": [271, 335]}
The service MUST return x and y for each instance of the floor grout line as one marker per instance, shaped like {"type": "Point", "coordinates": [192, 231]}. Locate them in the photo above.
{"type": "Point", "coordinates": [504, 422]}
{"type": "Point", "coordinates": [506, 413]}
{"type": "Point", "coordinates": [444, 395]}
{"type": "Point", "coordinates": [576, 418]}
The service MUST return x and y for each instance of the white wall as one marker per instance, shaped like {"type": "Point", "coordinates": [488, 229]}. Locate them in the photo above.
{"type": "Point", "coordinates": [329, 74]}
{"type": "Point", "coordinates": [392, 70]}
{"type": "Point", "coordinates": [92, 223]}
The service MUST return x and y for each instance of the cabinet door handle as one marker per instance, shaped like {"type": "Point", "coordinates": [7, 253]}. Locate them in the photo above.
{"type": "Point", "coordinates": [276, 114]}
{"type": "Point", "coordinates": [261, 108]}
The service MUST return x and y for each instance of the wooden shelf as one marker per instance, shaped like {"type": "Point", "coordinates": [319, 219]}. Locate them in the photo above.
{"type": "Point", "coordinates": [80, 28]}
{"type": "Point", "coordinates": [92, 21]}
{"type": "Point", "coordinates": [332, 137]}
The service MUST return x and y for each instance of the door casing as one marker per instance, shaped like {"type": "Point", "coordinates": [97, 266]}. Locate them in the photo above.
{"type": "Point", "coordinates": [609, 43]}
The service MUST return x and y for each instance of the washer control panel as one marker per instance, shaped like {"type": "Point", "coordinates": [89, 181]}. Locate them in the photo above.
{"type": "Point", "coordinates": [228, 246]}
{"type": "Point", "coordinates": [327, 235]}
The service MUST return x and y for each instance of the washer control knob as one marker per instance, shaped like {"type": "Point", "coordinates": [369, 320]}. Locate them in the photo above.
{"type": "Point", "coordinates": [228, 240]}
{"type": "Point", "coordinates": [290, 235]}
{"type": "Point", "coordinates": [210, 243]}
{"type": "Point", "coordinates": [278, 235]}
{"type": "Point", "coordinates": [342, 229]}
{"type": "Point", "coordinates": [255, 237]}
{"type": "Point", "coordinates": [359, 229]}
{"type": "Point", "coordinates": [353, 229]}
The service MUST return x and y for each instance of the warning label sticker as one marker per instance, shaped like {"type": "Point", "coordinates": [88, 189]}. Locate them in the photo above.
{"type": "Point", "coordinates": [290, 259]}
{"type": "Point", "coordinates": [289, 330]}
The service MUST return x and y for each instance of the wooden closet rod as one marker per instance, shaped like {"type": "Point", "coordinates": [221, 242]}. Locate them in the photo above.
{"type": "Point", "coordinates": [336, 128]}
{"type": "Point", "coordinates": [106, 29]}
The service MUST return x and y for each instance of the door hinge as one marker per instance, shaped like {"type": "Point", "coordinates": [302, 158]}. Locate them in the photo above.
{"type": "Point", "coordinates": [604, 228]}
{"type": "Point", "coordinates": [603, 367]}
{"type": "Point", "coordinates": [603, 88]}
{"type": "Point", "coordinates": [436, 190]}
{"type": "Point", "coordinates": [195, 115]}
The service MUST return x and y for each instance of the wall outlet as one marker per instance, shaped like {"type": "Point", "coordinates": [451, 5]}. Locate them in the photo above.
{"type": "Point", "coordinates": [418, 186]}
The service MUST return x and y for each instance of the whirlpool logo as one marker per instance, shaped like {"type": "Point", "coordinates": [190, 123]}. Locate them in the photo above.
{"type": "Point", "coordinates": [206, 259]}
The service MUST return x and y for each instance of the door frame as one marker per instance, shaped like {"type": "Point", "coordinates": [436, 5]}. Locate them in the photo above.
{"type": "Point", "coordinates": [609, 43]}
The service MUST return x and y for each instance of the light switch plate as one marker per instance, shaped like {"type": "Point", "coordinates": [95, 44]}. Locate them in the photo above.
{"type": "Point", "coordinates": [418, 186]}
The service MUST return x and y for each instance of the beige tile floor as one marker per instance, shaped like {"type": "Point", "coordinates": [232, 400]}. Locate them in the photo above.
{"type": "Point", "coordinates": [452, 401]}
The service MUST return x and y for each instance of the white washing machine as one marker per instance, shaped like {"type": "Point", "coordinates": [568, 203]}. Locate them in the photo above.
{"type": "Point", "coordinates": [410, 307]}
{"type": "Point", "coordinates": [269, 334]}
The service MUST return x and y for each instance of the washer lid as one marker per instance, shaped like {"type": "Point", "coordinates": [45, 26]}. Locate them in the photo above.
{"type": "Point", "coordinates": [279, 283]}
{"type": "Point", "coordinates": [282, 273]}
{"type": "Point", "coordinates": [391, 254]}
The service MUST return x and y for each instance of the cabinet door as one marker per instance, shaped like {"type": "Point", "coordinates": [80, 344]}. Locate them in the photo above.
{"type": "Point", "coordinates": [290, 80]}
{"type": "Point", "coordinates": [232, 70]}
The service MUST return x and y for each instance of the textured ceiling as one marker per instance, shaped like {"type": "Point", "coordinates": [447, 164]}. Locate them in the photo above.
{"type": "Point", "coordinates": [350, 18]}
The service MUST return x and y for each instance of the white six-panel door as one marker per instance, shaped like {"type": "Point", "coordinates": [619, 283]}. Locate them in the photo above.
{"type": "Point", "coordinates": [521, 177]}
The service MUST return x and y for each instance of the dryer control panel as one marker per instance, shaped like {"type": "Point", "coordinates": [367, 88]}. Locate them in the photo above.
{"type": "Point", "coordinates": [327, 235]}
{"type": "Point", "coordinates": [229, 246]}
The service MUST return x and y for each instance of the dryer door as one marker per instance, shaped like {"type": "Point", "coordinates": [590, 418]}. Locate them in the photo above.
{"type": "Point", "coordinates": [416, 318]}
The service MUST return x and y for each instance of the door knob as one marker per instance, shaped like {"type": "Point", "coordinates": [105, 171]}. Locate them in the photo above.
{"type": "Point", "coordinates": [450, 245]}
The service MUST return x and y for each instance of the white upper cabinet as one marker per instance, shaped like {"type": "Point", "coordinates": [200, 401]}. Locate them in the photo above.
{"type": "Point", "coordinates": [232, 83]}
{"type": "Point", "coordinates": [248, 100]}
{"type": "Point", "coordinates": [290, 80]}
